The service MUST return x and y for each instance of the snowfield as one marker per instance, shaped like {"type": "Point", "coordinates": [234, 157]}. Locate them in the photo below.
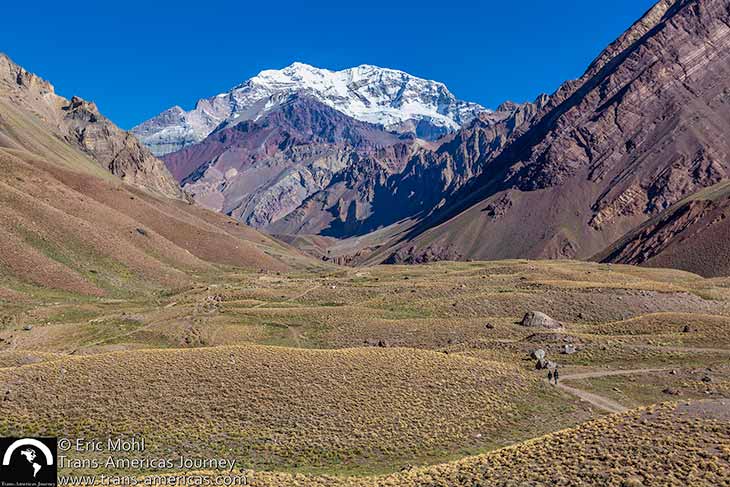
{"type": "Point", "coordinates": [388, 97]}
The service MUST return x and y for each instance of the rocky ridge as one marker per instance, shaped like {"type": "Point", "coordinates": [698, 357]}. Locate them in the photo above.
{"type": "Point", "coordinates": [642, 129]}
{"type": "Point", "coordinates": [80, 123]}
{"type": "Point", "coordinates": [390, 98]}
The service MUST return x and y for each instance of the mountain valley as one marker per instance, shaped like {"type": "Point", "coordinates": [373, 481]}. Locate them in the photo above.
{"type": "Point", "coordinates": [354, 278]}
{"type": "Point", "coordinates": [307, 154]}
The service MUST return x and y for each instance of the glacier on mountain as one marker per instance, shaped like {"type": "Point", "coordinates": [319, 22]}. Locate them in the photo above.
{"type": "Point", "coordinates": [394, 99]}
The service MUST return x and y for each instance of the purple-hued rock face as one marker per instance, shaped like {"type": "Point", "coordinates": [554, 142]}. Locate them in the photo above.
{"type": "Point", "coordinates": [261, 171]}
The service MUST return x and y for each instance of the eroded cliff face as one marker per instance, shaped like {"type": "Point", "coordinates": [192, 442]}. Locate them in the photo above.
{"type": "Point", "coordinates": [644, 127]}
{"type": "Point", "coordinates": [260, 172]}
{"type": "Point", "coordinates": [370, 195]}
{"type": "Point", "coordinates": [692, 235]}
{"type": "Point", "coordinates": [80, 123]}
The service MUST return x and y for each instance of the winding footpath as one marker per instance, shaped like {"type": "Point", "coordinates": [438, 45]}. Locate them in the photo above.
{"type": "Point", "coordinates": [604, 403]}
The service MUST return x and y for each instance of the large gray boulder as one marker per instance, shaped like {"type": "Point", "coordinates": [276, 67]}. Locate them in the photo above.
{"type": "Point", "coordinates": [535, 319]}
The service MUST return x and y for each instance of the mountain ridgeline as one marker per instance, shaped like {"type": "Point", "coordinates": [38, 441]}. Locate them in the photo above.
{"type": "Point", "coordinates": [644, 128]}
{"type": "Point", "coordinates": [86, 209]}
{"type": "Point", "coordinates": [393, 99]}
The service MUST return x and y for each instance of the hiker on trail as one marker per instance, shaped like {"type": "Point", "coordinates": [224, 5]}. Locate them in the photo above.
{"type": "Point", "coordinates": [550, 376]}
{"type": "Point", "coordinates": [556, 375]}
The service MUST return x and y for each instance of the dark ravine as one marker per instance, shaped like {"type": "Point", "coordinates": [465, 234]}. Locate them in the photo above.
{"type": "Point", "coordinates": [363, 198]}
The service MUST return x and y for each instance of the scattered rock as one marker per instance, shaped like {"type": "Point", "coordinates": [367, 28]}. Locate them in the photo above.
{"type": "Point", "coordinates": [673, 372]}
{"type": "Point", "coordinates": [383, 344]}
{"type": "Point", "coordinates": [28, 327]}
{"type": "Point", "coordinates": [686, 329]}
{"type": "Point", "coordinates": [671, 392]}
{"type": "Point", "coordinates": [538, 354]}
{"type": "Point", "coordinates": [489, 326]}
{"type": "Point", "coordinates": [707, 378]}
{"type": "Point", "coordinates": [536, 319]}
{"type": "Point", "coordinates": [569, 349]}
{"type": "Point", "coordinates": [543, 364]}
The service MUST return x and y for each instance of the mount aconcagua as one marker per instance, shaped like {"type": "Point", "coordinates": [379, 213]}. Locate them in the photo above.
{"type": "Point", "coordinates": [311, 144]}
{"type": "Point", "coordinates": [393, 99]}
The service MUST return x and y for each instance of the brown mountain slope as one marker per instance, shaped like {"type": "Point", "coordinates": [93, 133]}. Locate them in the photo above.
{"type": "Point", "coordinates": [80, 124]}
{"type": "Point", "coordinates": [260, 171]}
{"type": "Point", "coordinates": [642, 129]}
{"type": "Point", "coordinates": [366, 196]}
{"type": "Point", "coordinates": [68, 224]}
{"type": "Point", "coordinates": [692, 235]}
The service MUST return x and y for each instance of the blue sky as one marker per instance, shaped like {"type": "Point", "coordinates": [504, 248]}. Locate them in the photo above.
{"type": "Point", "coordinates": [137, 58]}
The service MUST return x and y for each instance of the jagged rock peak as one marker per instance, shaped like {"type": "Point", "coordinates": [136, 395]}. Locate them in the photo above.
{"type": "Point", "coordinates": [393, 99]}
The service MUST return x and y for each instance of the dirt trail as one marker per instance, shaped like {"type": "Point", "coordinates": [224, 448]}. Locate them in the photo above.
{"type": "Point", "coordinates": [604, 403]}
{"type": "Point", "coordinates": [600, 402]}
{"type": "Point", "coordinates": [116, 337]}
{"type": "Point", "coordinates": [293, 298]}
{"type": "Point", "coordinates": [153, 323]}
{"type": "Point", "coordinates": [670, 348]}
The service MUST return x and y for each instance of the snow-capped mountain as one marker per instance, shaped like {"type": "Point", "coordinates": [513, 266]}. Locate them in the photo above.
{"type": "Point", "coordinates": [394, 99]}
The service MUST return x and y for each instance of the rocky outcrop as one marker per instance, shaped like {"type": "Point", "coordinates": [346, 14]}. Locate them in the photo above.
{"type": "Point", "coordinates": [80, 123]}
{"type": "Point", "coordinates": [536, 319]}
{"type": "Point", "coordinates": [116, 150]}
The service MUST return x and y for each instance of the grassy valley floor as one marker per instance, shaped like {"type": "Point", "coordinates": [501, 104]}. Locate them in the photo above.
{"type": "Point", "coordinates": [388, 375]}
